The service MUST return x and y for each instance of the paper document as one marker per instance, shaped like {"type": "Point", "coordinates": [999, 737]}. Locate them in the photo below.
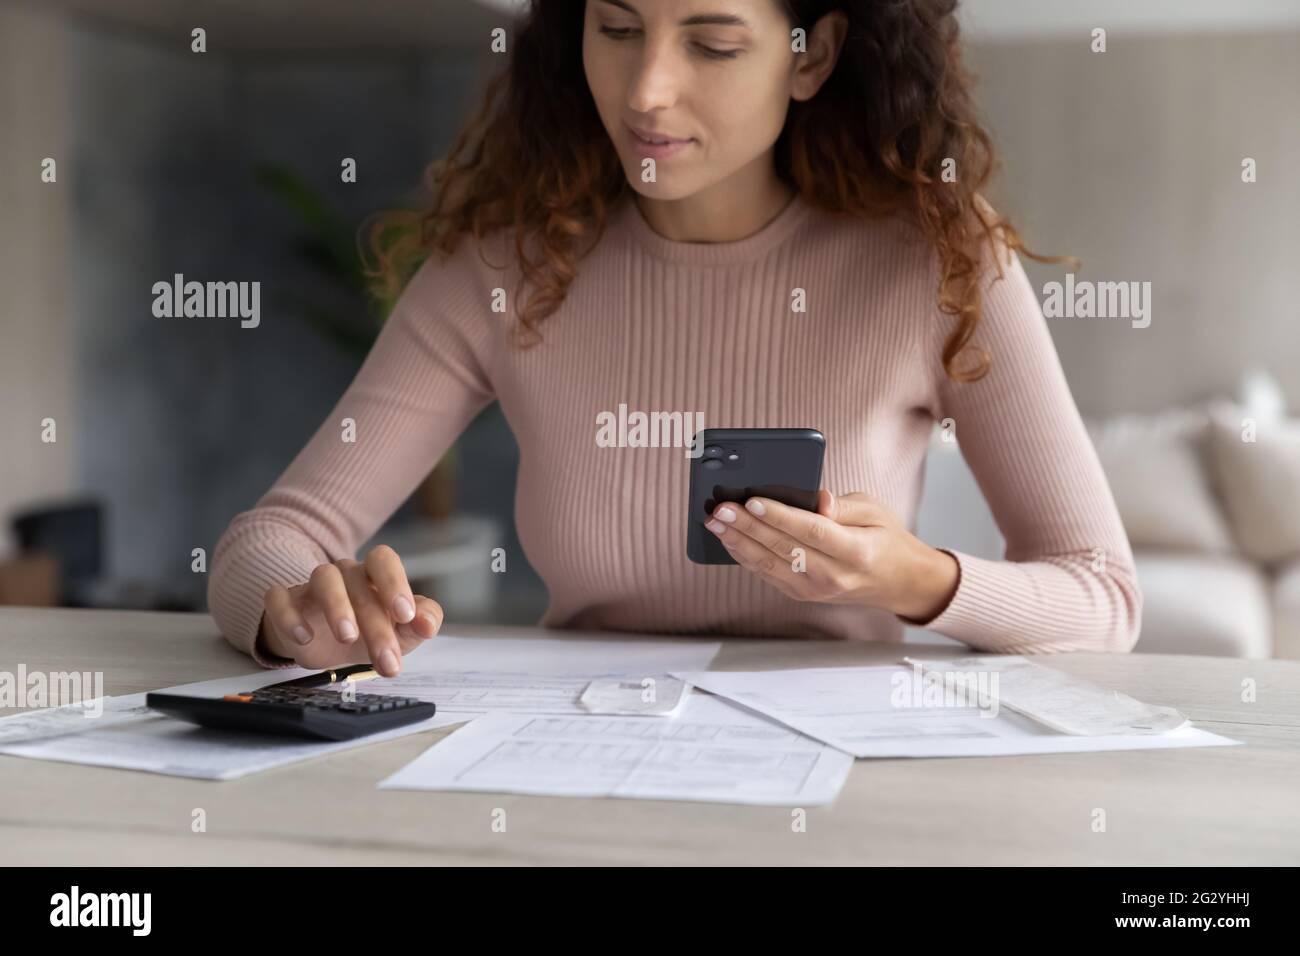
{"type": "Point", "coordinates": [1054, 698]}
{"type": "Point", "coordinates": [713, 752]}
{"type": "Point", "coordinates": [156, 743]}
{"type": "Point", "coordinates": [475, 675]}
{"type": "Point", "coordinates": [885, 712]}
{"type": "Point", "coordinates": [77, 718]}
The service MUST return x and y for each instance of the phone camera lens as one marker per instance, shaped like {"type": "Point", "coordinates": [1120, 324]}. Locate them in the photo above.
{"type": "Point", "coordinates": [713, 451]}
{"type": "Point", "coordinates": [712, 464]}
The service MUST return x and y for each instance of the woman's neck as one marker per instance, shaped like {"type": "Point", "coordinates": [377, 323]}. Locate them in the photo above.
{"type": "Point", "coordinates": [728, 211]}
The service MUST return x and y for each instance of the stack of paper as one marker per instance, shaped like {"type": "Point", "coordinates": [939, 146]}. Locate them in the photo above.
{"type": "Point", "coordinates": [618, 718]}
{"type": "Point", "coordinates": [461, 675]}
{"type": "Point", "coordinates": [716, 752]}
{"type": "Point", "coordinates": [884, 712]}
{"type": "Point", "coordinates": [472, 676]}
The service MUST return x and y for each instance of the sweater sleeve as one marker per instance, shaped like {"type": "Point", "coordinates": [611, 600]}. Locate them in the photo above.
{"type": "Point", "coordinates": [1067, 579]}
{"type": "Point", "coordinates": [422, 382]}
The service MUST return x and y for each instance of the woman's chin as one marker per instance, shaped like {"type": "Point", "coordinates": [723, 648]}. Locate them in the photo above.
{"type": "Point", "coordinates": [660, 191]}
{"type": "Point", "coordinates": [673, 180]}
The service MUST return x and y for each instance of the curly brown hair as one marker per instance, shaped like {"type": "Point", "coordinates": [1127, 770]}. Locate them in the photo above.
{"type": "Point", "coordinates": [870, 143]}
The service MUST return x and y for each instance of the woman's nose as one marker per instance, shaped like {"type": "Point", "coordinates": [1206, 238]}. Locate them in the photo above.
{"type": "Point", "coordinates": [657, 81]}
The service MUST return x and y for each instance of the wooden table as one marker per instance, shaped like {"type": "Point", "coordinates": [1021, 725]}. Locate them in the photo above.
{"type": "Point", "coordinates": [1214, 806]}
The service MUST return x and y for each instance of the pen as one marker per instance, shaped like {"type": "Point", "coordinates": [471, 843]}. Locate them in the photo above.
{"type": "Point", "coordinates": [335, 675]}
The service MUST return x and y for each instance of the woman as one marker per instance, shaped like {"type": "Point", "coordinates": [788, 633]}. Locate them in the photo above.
{"type": "Point", "coordinates": [765, 211]}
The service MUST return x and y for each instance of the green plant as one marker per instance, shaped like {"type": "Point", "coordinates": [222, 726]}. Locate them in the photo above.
{"type": "Point", "coordinates": [328, 243]}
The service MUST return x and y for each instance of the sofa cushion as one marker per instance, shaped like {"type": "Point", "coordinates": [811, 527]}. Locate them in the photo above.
{"type": "Point", "coordinates": [1203, 604]}
{"type": "Point", "coordinates": [1156, 468]}
{"type": "Point", "coordinates": [1260, 483]}
{"type": "Point", "coordinates": [1286, 612]}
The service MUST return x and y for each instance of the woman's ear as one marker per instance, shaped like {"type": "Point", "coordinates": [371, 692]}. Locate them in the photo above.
{"type": "Point", "coordinates": [815, 65]}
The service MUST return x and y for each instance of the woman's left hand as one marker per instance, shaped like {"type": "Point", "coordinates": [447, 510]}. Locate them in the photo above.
{"type": "Point", "coordinates": [852, 550]}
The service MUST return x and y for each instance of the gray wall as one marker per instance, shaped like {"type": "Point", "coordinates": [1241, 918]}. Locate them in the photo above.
{"type": "Point", "coordinates": [1131, 160]}
{"type": "Point", "coordinates": [187, 421]}
{"type": "Point", "coordinates": [37, 377]}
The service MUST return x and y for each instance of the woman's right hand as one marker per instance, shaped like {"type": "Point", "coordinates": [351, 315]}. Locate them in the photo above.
{"type": "Point", "coordinates": [350, 612]}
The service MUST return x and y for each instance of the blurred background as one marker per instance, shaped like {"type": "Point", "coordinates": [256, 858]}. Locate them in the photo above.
{"type": "Point", "coordinates": [226, 164]}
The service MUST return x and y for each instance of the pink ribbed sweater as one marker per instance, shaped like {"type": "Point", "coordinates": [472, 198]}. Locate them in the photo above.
{"type": "Point", "coordinates": [661, 325]}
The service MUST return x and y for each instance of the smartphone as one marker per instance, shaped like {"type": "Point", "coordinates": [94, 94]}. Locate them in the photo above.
{"type": "Point", "coordinates": [734, 464]}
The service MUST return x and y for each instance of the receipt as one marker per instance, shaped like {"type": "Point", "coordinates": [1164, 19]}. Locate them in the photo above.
{"type": "Point", "coordinates": [651, 696]}
{"type": "Point", "coordinates": [1055, 699]}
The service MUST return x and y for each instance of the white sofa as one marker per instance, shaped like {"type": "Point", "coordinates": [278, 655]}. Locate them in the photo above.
{"type": "Point", "coordinates": [1210, 498]}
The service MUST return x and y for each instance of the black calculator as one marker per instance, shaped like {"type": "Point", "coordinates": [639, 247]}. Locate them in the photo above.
{"type": "Point", "coordinates": [314, 712]}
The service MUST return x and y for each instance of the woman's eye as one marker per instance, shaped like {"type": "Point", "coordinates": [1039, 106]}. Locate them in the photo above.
{"type": "Point", "coordinates": [717, 54]}
{"type": "Point", "coordinates": [625, 33]}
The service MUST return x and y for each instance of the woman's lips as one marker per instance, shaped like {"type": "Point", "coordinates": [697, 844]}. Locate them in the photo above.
{"type": "Point", "coordinates": [659, 150]}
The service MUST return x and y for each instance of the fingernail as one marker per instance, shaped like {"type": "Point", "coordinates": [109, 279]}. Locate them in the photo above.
{"type": "Point", "coordinates": [347, 630]}
{"type": "Point", "coordinates": [754, 506]}
{"type": "Point", "coordinates": [300, 635]}
{"type": "Point", "coordinates": [428, 618]}
{"type": "Point", "coordinates": [726, 514]}
{"type": "Point", "coordinates": [388, 665]}
{"type": "Point", "coordinates": [403, 608]}
{"type": "Point", "coordinates": [717, 527]}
